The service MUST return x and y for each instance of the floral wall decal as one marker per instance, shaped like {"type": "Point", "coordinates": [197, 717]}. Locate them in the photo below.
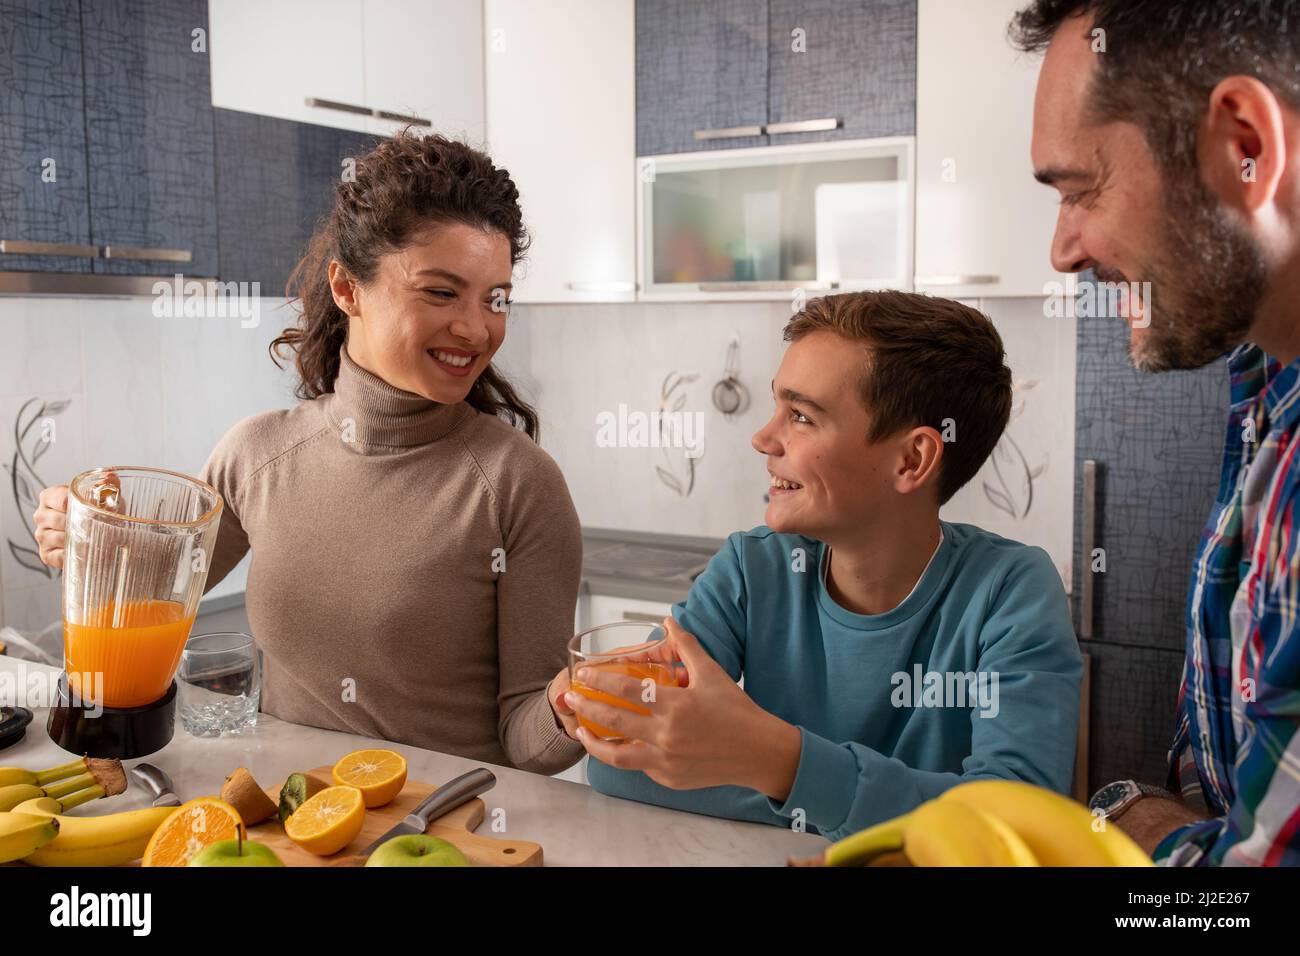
{"type": "Point", "coordinates": [672, 399]}
{"type": "Point", "coordinates": [32, 439]}
{"type": "Point", "coordinates": [1012, 486]}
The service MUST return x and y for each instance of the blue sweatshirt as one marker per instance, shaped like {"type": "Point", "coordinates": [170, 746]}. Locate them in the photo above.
{"type": "Point", "coordinates": [976, 674]}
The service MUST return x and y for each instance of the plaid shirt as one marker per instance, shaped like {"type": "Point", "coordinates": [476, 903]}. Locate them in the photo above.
{"type": "Point", "coordinates": [1237, 745]}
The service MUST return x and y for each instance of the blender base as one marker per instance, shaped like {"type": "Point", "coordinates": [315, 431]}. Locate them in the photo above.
{"type": "Point", "coordinates": [121, 732]}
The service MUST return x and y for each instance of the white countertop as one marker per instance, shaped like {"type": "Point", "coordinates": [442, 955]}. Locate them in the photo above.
{"type": "Point", "coordinates": [575, 825]}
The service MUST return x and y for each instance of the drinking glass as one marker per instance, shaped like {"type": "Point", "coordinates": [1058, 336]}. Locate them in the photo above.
{"type": "Point", "coordinates": [219, 684]}
{"type": "Point", "coordinates": [636, 649]}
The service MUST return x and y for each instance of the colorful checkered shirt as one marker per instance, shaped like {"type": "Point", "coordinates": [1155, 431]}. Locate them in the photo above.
{"type": "Point", "coordinates": [1237, 744]}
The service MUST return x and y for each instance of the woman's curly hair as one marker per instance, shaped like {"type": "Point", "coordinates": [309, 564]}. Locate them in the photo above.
{"type": "Point", "coordinates": [405, 184]}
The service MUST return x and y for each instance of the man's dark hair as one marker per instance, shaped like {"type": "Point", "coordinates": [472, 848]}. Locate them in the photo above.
{"type": "Point", "coordinates": [924, 361]}
{"type": "Point", "coordinates": [1162, 58]}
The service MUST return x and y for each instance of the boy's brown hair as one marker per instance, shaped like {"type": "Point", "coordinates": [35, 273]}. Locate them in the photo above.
{"type": "Point", "coordinates": [925, 360]}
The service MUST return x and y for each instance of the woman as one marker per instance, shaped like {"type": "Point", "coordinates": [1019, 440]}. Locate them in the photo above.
{"type": "Point", "coordinates": [416, 556]}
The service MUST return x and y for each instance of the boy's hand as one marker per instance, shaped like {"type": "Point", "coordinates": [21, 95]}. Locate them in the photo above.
{"type": "Point", "coordinates": [708, 733]}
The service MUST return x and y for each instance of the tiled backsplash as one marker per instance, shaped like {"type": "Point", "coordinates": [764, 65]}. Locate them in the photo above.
{"type": "Point", "coordinates": [122, 386]}
{"type": "Point", "coordinates": [119, 386]}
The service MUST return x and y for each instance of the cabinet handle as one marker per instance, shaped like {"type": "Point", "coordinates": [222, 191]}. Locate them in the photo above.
{"type": "Point", "coordinates": [729, 132]}
{"type": "Point", "coordinates": [1089, 534]}
{"type": "Point", "coordinates": [367, 111]}
{"type": "Point", "coordinates": [139, 252]}
{"type": "Point", "coordinates": [762, 285]}
{"type": "Point", "coordinates": [643, 616]}
{"type": "Point", "coordinates": [21, 247]}
{"type": "Point", "coordinates": [804, 126]}
{"type": "Point", "coordinates": [956, 280]}
{"type": "Point", "coordinates": [602, 286]}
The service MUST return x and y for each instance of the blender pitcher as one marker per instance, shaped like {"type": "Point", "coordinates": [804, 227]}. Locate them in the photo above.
{"type": "Point", "coordinates": [139, 543]}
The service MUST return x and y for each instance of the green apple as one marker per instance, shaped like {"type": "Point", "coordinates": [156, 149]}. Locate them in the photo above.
{"type": "Point", "coordinates": [235, 853]}
{"type": "Point", "coordinates": [417, 849]}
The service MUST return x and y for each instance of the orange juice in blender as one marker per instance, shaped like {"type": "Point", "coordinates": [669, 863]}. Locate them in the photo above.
{"type": "Point", "coordinates": [134, 654]}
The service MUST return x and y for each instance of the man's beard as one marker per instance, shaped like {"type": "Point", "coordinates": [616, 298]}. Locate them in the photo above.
{"type": "Point", "coordinates": [1207, 278]}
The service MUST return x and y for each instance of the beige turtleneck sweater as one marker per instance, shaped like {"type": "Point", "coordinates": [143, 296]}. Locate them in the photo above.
{"type": "Point", "coordinates": [379, 521]}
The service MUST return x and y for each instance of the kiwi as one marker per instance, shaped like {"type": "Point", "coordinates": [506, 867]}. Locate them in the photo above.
{"type": "Point", "coordinates": [297, 790]}
{"type": "Point", "coordinates": [242, 792]}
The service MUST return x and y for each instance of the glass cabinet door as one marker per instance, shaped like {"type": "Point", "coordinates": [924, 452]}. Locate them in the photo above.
{"type": "Point", "coordinates": [754, 223]}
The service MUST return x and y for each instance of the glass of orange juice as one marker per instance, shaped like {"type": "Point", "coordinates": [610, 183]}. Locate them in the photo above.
{"type": "Point", "coordinates": [637, 649]}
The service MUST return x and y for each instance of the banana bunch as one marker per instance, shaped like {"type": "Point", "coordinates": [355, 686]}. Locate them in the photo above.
{"type": "Point", "coordinates": [109, 840]}
{"type": "Point", "coordinates": [22, 834]}
{"type": "Point", "coordinates": [991, 823]}
{"type": "Point", "coordinates": [101, 777]}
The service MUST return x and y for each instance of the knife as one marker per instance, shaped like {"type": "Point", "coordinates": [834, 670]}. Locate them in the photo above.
{"type": "Point", "coordinates": [443, 800]}
{"type": "Point", "coordinates": [158, 783]}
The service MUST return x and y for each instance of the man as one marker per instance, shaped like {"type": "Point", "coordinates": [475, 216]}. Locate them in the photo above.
{"type": "Point", "coordinates": [886, 655]}
{"type": "Point", "coordinates": [1172, 132]}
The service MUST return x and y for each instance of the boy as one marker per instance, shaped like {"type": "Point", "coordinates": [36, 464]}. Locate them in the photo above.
{"type": "Point", "coordinates": [886, 655]}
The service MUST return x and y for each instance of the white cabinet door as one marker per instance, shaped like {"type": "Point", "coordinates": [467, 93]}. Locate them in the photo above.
{"type": "Point", "coordinates": [270, 58]}
{"type": "Point", "coordinates": [561, 116]}
{"type": "Point", "coordinates": [604, 609]}
{"type": "Point", "coordinates": [425, 58]}
{"type": "Point", "coordinates": [983, 224]}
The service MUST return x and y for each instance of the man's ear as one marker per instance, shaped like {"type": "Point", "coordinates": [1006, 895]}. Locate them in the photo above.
{"type": "Point", "coordinates": [344, 288]}
{"type": "Point", "coordinates": [919, 460]}
{"type": "Point", "coordinates": [1243, 144]}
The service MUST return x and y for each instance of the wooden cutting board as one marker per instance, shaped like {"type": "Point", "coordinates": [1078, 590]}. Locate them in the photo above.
{"type": "Point", "coordinates": [455, 827]}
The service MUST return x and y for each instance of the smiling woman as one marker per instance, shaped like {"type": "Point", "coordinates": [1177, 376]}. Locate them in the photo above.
{"type": "Point", "coordinates": [416, 555]}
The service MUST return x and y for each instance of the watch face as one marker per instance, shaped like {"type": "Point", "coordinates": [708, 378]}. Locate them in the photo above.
{"type": "Point", "coordinates": [1108, 796]}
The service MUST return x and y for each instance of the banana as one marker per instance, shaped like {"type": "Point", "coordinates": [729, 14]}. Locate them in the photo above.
{"type": "Point", "coordinates": [39, 778]}
{"type": "Point", "coordinates": [859, 848]}
{"type": "Point", "coordinates": [22, 834]}
{"type": "Point", "coordinates": [950, 834]}
{"type": "Point", "coordinates": [17, 793]}
{"type": "Point", "coordinates": [108, 840]}
{"type": "Point", "coordinates": [1057, 830]}
{"type": "Point", "coordinates": [1021, 855]}
{"type": "Point", "coordinates": [40, 806]}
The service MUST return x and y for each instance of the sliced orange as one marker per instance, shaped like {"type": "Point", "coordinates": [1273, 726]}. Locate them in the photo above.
{"type": "Point", "coordinates": [327, 822]}
{"type": "Point", "coordinates": [194, 826]}
{"type": "Point", "coordinates": [378, 774]}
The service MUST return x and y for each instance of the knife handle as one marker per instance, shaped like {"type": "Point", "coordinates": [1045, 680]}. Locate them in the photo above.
{"type": "Point", "coordinates": [453, 793]}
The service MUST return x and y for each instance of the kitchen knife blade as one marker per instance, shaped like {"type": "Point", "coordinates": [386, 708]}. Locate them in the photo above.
{"type": "Point", "coordinates": [443, 800]}
{"type": "Point", "coordinates": [158, 783]}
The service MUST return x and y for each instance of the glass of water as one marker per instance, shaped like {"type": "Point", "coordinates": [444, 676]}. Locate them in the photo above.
{"type": "Point", "coordinates": [219, 684]}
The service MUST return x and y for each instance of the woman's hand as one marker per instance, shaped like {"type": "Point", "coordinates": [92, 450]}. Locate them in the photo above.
{"type": "Point", "coordinates": [704, 734]}
{"type": "Point", "coordinates": [555, 692]}
{"type": "Point", "coordinates": [51, 519]}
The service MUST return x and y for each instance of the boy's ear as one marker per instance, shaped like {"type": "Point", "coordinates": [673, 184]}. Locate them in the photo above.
{"type": "Point", "coordinates": [921, 455]}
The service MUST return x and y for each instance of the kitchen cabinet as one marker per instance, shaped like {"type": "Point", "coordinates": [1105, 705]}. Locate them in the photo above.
{"type": "Point", "coordinates": [983, 224]}
{"type": "Point", "coordinates": [365, 65]}
{"type": "Point", "coordinates": [107, 138]}
{"type": "Point", "coordinates": [149, 137]}
{"type": "Point", "coordinates": [701, 75]}
{"type": "Point", "coordinates": [840, 69]}
{"type": "Point", "coordinates": [560, 117]}
{"type": "Point", "coordinates": [745, 73]}
{"type": "Point", "coordinates": [43, 187]}
{"type": "Point", "coordinates": [606, 609]}
{"type": "Point", "coordinates": [278, 180]}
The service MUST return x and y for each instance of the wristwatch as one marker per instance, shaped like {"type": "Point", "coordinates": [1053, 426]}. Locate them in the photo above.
{"type": "Point", "coordinates": [1114, 798]}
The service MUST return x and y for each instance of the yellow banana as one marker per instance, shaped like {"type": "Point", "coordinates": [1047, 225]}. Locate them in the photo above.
{"type": "Point", "coordinates": [17, 793]}
{"type": "Point", "coordinates": [1057, 830]}
{"type": "Point", "coordinates": [949, 834]}
{"type": "Point", "coordinates": [39, 778]}
{"type": "Point", "coordinates": [108, 840]}
{"type": "Point", "coordinates": [1021, 855]}
{"type": "Point", "coordinates": [22, 834]}
{"type": "Point", "coordinates": [857, 849]}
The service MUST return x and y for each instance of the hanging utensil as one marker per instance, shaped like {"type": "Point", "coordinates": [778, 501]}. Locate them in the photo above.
{"type": "Point", "coordinates": [730, 395]}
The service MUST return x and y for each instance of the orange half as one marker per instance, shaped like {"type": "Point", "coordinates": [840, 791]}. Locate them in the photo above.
{"type": "Point", "coordinates": [378, 774]}
{"type": "Point", "coordinates": [328, 821]}
{"type": "Point", "coordinates": [193, 827]}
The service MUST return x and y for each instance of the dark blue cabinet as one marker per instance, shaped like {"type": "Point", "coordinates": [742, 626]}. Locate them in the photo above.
{"type": "Point", "coordinates": [769, 66]}
{"type": "Point", "coordinates": [43, 189]}
{"type": "Point", "coordinates": [700, 67]}
{"type": "Point", "coordinates": [277, 181]}
{"type": "Point", "coordinates": [851, 61]}
{"type": "Point", "coordinates": [149, 130]}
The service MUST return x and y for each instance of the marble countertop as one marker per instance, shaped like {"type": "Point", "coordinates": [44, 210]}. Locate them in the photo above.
{"type": "Point", "coordinates": [575, 825]}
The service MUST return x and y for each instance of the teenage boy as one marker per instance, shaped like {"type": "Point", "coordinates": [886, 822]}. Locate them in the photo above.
{"type": "Point", "coordinates": [887, 655]}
